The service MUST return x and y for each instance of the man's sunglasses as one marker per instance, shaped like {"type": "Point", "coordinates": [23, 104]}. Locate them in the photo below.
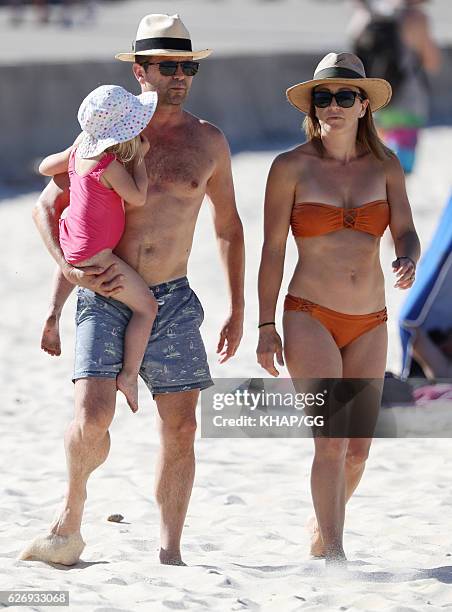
{"type": "Point", "coordinates": [345, 98]}
{"type": "Point", "coordinates": [169, 68]}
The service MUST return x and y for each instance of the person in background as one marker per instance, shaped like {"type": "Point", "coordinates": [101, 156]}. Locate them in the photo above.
{"type": "Point", "coordinates": [393, 39]}
{"type": "Point", "coordinates": [433, 352]}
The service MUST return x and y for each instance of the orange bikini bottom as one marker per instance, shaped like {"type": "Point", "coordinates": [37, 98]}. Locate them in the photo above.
{"type": "Point", "coordinates": [343, 327]}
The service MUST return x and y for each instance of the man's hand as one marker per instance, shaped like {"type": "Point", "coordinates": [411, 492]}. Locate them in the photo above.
{"type": "Point", "coordinates": [269, 345]}
{"type": "Point", "coordinates": [107, 282]}
{"type": "Point", "coordinates": [230, 337]}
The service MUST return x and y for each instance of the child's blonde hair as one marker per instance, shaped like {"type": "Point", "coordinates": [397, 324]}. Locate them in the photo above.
{"type": "Point", "coordinates": [126, 151]}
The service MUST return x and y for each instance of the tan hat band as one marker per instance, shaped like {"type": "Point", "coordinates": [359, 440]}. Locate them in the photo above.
{"type": "Point", "coordinates": [176, 44]}
{"type": "Point", "coordinates": [337, 73]}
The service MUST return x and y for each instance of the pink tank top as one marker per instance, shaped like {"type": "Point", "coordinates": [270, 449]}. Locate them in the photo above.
{"type": "Point", "coordinates": [95, 218]}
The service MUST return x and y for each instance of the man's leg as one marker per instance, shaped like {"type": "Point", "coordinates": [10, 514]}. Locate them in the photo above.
{"type": "Point", "coordinates": [175, 468]}
{"type": "Point", "coordinates": [87, 442]}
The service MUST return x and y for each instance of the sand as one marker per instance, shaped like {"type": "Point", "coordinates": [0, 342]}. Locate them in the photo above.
{"type": "Point", "coordinates": [244, 539]}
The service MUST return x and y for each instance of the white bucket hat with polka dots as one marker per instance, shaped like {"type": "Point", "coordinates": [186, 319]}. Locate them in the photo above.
{"type": "Point", "coordinates": [110, 115]}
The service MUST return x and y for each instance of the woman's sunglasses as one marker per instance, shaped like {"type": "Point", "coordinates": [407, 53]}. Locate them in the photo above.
{"type": "Point", "coordinates": [345, 98]}
{"type": "Point", "coordinates": [169, 68]}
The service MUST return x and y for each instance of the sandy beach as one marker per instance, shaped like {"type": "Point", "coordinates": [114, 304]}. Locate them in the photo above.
{"type": "Point", "coordinates": [244, 541]}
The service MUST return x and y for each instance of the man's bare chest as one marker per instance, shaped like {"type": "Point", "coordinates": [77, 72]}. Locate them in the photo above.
{"type": "Point", "coordinates": [179, 164]}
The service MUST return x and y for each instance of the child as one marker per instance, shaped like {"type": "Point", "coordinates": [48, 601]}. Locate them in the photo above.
{"type": "Point", "coordinates": [111, 119]}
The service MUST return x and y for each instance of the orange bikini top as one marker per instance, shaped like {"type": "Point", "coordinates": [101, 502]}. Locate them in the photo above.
{"type": "Point", "coordinates": [314, 219]}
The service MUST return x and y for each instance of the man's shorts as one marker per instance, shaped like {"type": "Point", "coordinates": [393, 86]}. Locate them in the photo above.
{"type": "Point", "coordinates": [175, 358]}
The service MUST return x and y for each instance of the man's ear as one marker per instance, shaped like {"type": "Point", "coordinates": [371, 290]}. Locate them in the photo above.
{"type": "Point", "coordinates": [139, 73]}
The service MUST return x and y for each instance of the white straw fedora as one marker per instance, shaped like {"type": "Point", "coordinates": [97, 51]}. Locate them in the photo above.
{"type": "Point", "coordinates": [340, 68]}
{"type": "Point", "coordinates": [162, 35]}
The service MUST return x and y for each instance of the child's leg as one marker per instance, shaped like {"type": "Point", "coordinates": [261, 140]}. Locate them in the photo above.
{"type": "Point", "coordinates": [50, 339]}
{"type": "Point", "coordinates": [137, 296]}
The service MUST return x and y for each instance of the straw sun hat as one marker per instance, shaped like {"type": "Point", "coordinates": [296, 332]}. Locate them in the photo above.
{"type": "Point", "coordinates": [340, 68]}
{"type": "Point", "coordinates": [162, 35]}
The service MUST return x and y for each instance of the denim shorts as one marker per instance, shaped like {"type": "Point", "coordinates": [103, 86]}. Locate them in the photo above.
{"type": "Point", "coordinates": [175, 358]}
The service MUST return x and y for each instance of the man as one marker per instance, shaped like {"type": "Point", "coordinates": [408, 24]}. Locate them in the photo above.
{"type": "Point", "coordinates": [188, 159]}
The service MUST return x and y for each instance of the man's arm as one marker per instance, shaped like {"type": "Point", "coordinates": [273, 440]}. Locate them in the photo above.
{"type": "Point", "coordinates": [46, 214]}
{"type": "Point", "coordinates": [229, 233]}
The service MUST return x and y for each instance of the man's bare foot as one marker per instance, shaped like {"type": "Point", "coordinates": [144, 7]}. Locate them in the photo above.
{"type": "Point", "coordinates": [50, 338]}
{"type": "Point", "coordinates": [317, 547]}
{"type": "Point", "coordinates": [129, 386]}
{"type": "Point", "coordinates": [54, 548]}
{"type": "Point", "coordinates": [169, 558]}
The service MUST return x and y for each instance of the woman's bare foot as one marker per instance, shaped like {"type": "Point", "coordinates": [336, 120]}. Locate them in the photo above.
{"type": "Point", "coordinates": [317, 547]}
{"type": "Point", "coordinates": [128, 385]}
{"type": "Point", "coordinates": [50, 338]}
{"type": "Point", "coordinates": [169, 558]}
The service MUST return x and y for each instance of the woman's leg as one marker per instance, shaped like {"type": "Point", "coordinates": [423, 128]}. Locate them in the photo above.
{"type": "Point", "coordinates": [50, 337]}
{"type": "Point", "coordinates": [311, 353]}
{"type": "Point", "coordinates": [365, 357]}
{"type": "Point", "coordinates": [357, 363]}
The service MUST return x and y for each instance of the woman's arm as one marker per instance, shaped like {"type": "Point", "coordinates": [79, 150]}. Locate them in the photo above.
{"type": "Point", "coordinates": [279, 198]}
{"type": "Point", "coordinates": [406, 241]}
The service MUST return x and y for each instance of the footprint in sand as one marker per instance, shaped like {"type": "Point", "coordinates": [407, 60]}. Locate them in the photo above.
{"type": "Point", "coordinates": [234, 499]}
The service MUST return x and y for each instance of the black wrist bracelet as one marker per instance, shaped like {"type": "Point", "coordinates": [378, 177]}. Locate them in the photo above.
{"type": "Point", "coordinates": [267, 323]}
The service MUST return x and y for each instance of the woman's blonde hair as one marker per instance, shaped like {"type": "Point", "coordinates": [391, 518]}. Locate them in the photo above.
{"type": "Point", "coordinates": [126, 151]}
{"type": "Point", "coordinates": [367, 133]}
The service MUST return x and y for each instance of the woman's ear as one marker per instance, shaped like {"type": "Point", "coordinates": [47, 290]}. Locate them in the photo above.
{"type": "Point", "coordinates": [365, 104]}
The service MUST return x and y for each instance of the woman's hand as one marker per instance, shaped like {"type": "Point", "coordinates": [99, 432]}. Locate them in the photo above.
{"type": "Point", "coordinates": [269, 345]}
{"type": "Point", "coordinates": [405, 270]}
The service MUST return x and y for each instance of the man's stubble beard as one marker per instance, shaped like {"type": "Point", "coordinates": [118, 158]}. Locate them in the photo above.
{"type": "Point", "coordinates": [172, 98]}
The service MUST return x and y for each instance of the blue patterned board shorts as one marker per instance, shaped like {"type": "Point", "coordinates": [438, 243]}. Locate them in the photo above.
{"type": "Point", "coordinates": [175, 358]}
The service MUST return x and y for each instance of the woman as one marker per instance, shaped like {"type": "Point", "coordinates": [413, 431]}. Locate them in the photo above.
{"type": "Point", "coordinates": [338, 191]}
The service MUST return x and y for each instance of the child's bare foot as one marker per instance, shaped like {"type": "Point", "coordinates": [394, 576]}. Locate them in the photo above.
{"type": "Point", "coordinates": [128, 385]}
{"type": "Point", "coordinates": [50, 338]}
